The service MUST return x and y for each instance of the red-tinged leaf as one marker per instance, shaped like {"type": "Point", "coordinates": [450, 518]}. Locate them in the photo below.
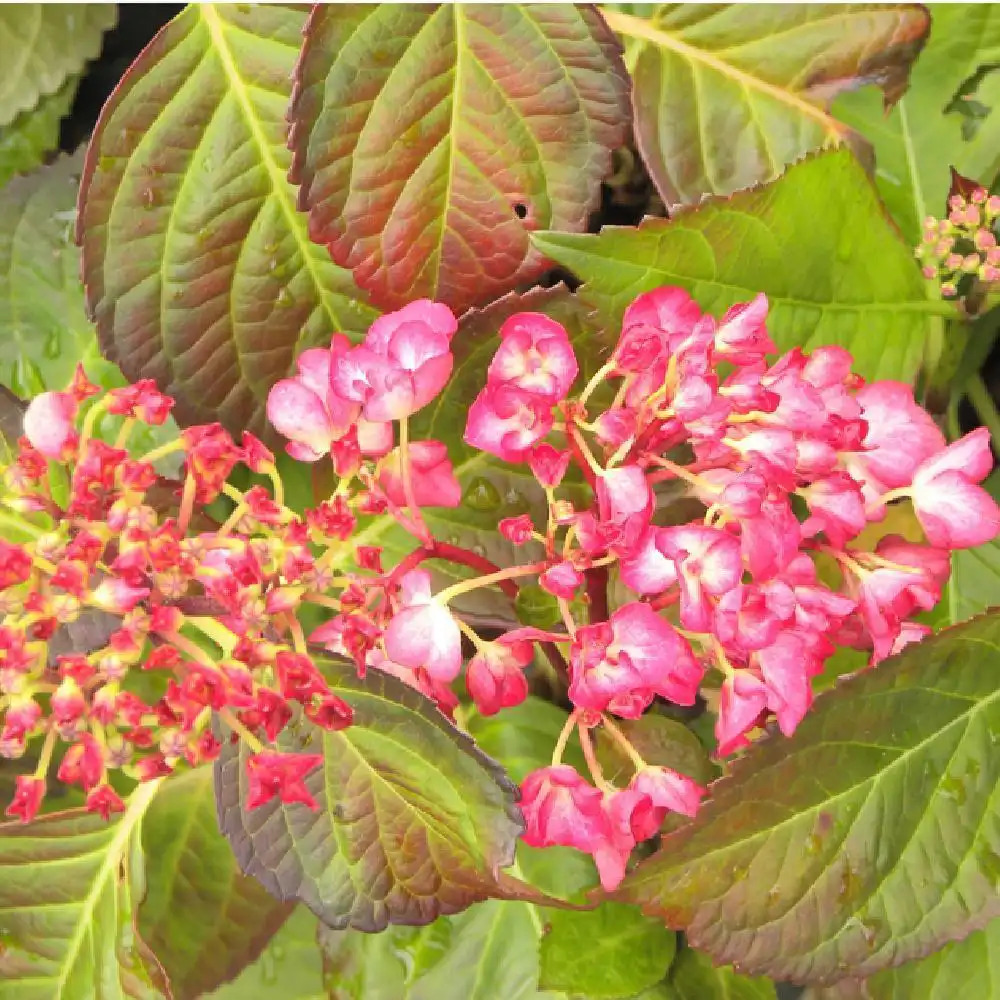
{"type": "Point", "coordinates": [727, 95]}
{"type": "Point", "coordinates": [431, 139]}
{"type": "Point", "coordinates": [198, 269]}
{"type": "Point", "coordinates": [413, 821]}
{"type": "Point", "coordinates": [869, 838]}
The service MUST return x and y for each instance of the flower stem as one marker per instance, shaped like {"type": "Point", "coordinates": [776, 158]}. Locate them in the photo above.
{"type": "Point", "coordinates": [596, 379]}
{"type": "Point", "coordinates": [587, 745]}
{"type": "Point", "coordinates": [162, 451]}
{"type": "Point", "coordinates": [406, 470]}
{"type": "Point", "coordinates": [985, 408]}
{"type": "Point", "coordinates": [464, 586]}
{"type": "Point", "coordinates": [560, 748]}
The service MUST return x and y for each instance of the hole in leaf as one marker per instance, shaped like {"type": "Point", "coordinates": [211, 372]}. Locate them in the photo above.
{"type": "Point", "coordinates": [521, 210]}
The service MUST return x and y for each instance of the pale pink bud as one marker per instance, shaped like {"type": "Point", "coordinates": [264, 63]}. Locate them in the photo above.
{"type": "Point", "coordinates": [48, 424]}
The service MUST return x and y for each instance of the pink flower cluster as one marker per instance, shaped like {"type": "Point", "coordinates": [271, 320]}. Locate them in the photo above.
{"type": "Point", "coordinates": [964, 243]}
{"type": "Point", "coordinates": [192, 619]}
{"type": "Point", "coordinates": [779, 466]}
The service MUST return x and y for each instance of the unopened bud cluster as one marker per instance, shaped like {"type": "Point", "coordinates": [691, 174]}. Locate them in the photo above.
{"type": "Point", "coordinates": [964, 243]}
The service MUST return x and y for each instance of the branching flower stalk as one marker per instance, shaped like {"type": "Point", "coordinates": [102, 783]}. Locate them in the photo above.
{"type": "Point", "coordinates": [790, 460]}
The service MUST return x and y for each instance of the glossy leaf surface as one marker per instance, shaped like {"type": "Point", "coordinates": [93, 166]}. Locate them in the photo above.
{"type": "Point", "coordinates": [414, 820]}
{"type": "Point", "coordinates": [431, 139]}
{"type": "Point", "coordinates": [67, 890]}
{"type": "Point", "coordinates": [850, 281]}
{"type": "Point", "coordinates": [203, 920]}
{"type": "Point", "coordinates": [919, 139]}
{"type": "Point", "coordinates": [869, 838]}
{"type": "Point", "coordinates": [44, 45]}
{"type": "Point", "coordinates": [727, 95]}
{"type": "Point", "coordinates": [198, 268]}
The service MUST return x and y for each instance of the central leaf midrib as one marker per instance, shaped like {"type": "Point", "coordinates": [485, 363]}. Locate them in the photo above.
{"type": "Point", "coordinates": [279, 183]}
{"type": "Point", "coordinates": [138, 804]}
{"type": "Point", "coordinates": [964, 717]}
{"type": "Point", "coordinates": [577, 245]}
{"type": "Point", "coordinates": [638, 28]}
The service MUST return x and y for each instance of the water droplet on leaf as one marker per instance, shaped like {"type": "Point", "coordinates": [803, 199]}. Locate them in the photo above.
{"type": "Point", "coordinates": [482, 495]}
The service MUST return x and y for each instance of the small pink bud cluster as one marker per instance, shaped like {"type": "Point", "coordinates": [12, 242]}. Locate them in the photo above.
{"type": "Point", "coordinates": [965, 243]}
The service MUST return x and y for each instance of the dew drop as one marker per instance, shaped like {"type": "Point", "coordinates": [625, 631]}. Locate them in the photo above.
{"type": "Point", "coordinates": [284, 299]}
{"type": "Point", "coordinates": [482, 495]}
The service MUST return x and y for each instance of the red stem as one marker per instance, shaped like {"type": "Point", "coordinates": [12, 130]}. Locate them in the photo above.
{"type": "Point", "coordinates": [455, 554]}
{"type": "Point", "coordinates": [597, 592]}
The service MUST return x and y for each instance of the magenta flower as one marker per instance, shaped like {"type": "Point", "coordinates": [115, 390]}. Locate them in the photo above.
{"type": "Point", "coordinates": [668, 790]}
{"type": "Point", "coordinates": [423, 634]}
{"type": "Point", "coordinates": [534, 356]}
{"type": "Point", "coordinates": [622, 664]}
{"type": "Point", "coordinates": [402, 365]}
{"type": "Point", "coordinates": [495, 675]}
{"type": "Point", "coordinates": [283, 775]}
{"type": "Point", "coordinates": [48, 424]}
{"type": "Point", "coordinates": [560, 808]}
{"type": "Point", "coordinates": [708, 565]}
{"type": "Point", "coordinates": [507, 422]}
{"type": "Point", "coordinates": [954, 512]}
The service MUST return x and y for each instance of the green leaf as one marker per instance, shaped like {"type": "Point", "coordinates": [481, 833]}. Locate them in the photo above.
{"type": "Point", "coordinates": [430, 140]}
{"type": "Point", "coordinates": [659, 740]}
{"type": "Point", "coordinates": [966, 968]}
{"type": "Point", "coordinates": [849, 281]}
{"type": "Point", "coordinates": [68, 884]}
{"type": "Point", "coordinates": [919, 139]}
{"type": "Point", "coordinates": [975, 581]}
{"type": "Point", "coordinates": [727, 95]}
{"type": "Point", "coordinates": [203, 920]}
{"type": "Point", "coordinates": [522, 737]}
{"type": "Point", "coordinates": [613, 951]}
{"type": "Point", "coordinates": [44, 45]}
{"type": "Point", "coordinates": [33, 133]}
{"type": "Point", "coordinates": [869, 838]}
{"type": "Point", "coordinates": [289, 968]}
{"type": "Point", "coordinates": [198, 269]}
{"type": "Point", "coordinates": [491, 950]}
{"type": "Point", "coordinates": [694, 977]}
{"type": "Point", "coordinates": [492, 489]}
{"type": "Point", "coordinates": [414, 821]}
{"type": "Point", "coordinates": [43, 324]}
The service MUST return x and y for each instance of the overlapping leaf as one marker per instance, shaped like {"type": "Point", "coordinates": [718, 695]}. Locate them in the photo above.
{"type": "Point", "coordinates": [869, 838]}
{"type": "Point", "coordinates": [727, 95]}
{"type": "Point", "coordinates": [198, 269]}
{"type": "Point", "coordinates": [202, 919]}
{"type": "Point", "coordinates": [847, 280]}
{"type": "Point", "coordinates": [66, 899]}
{"type": "Point", "coordinates": [414, 821]}
{"type": "Point", "coordinates": [34, 133]}
{"type": "Point", "coordinates": [44, 45]}
{"type": "Point", "coordinates": [290, 967]}
{"type": "Point", "coordinates": [431, 139]}
{"type": "Point", "coordinates": [694, 977]}
{"type": "Point", "coordinates": [43, 324]}
{"type": "Point", "coordinates": [922, 136]}
{"type": "Point", "coordinates": [968, 968]}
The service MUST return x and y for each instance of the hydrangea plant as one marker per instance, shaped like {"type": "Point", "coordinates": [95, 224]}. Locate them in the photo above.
{"type": "Point", "coordinates": [520, 626]}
